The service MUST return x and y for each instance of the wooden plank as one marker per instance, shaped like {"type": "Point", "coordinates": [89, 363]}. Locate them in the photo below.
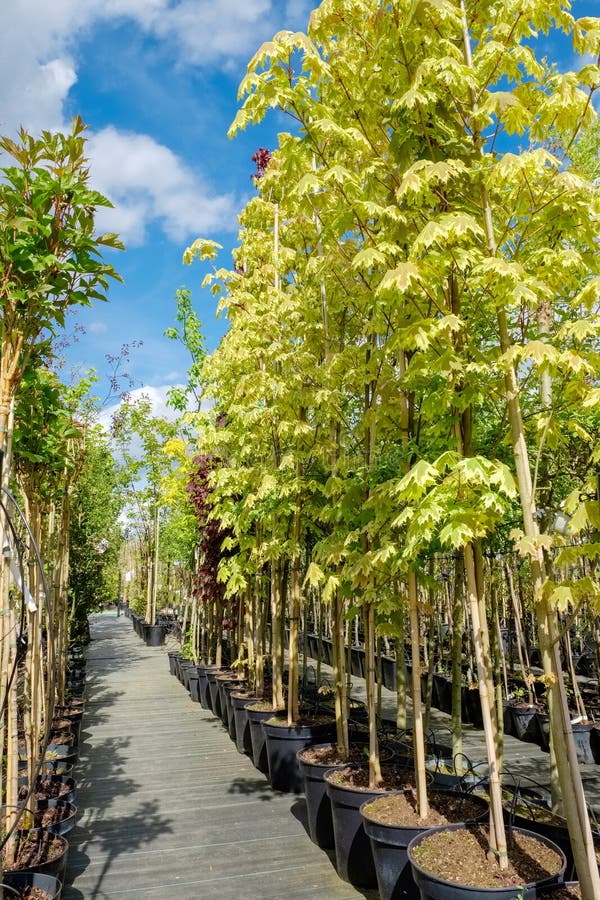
{"type": "Point", "coordinates": [167, 806]}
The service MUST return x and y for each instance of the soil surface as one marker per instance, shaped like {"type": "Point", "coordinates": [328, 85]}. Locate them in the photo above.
{"type": "Point", "coordinates": [301, 721]}
{"type": "Point", "coordinates": [38, 848]}
{"type": "Point", "coordinates": [263, 706]}
{"type": "Point", "coordinates": [52, 816]}
{"type": "Point", "coordinates": [572, 892]}
{"type": "Point", "coordinates": [444, 809]}
{"type": "Point", "coordinates": [536, 813]}
{"type": "Point", "coordinates": [461, 857]}
{"type": "Point", "coordinates": [27, 893]}
{"type": "Point", "coordinates": [48, 790]}
{"type": "Point", "coordinates": [330, 756]}
{"type": "Point", "coordinates": [394, 778]}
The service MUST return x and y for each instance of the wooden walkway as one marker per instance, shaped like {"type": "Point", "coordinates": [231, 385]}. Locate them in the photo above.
{"type": "Point", "coordinates": [167, 806]}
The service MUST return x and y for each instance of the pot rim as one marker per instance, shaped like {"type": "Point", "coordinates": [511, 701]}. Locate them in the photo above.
{"type": "Point", "coordinates": [488, 891]}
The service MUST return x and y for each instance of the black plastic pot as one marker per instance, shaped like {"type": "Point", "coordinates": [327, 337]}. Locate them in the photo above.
{"type": "Point", "coordinates": [283, 743]}
{"type": "Point", "coordinates": [193, 684]}
{"type": "Point", "coordinates": [389, 844]}
{"type": "Point", "coordinates": [542, 725]}
{"type": "Point", "coordinates": [243, 739]}
{"type": "Point", "coordinates": [213, 687]}
{"type": "Point", "coordinates": [353, 855]}
{"type": "Point", "coordinates": [173, 654]}
{"type": "Point", "coordinates": [65, 734]}
{"type": "Point", "coordinates": [69, 795]}
{"type": "Point", "coordinates": [432, 887]}
{"type": "Point", "coordinates": [154, 635]}
{"type": "Point", "coordinates": [473, 707]}
{"type": "Point", "coordinates": [524, 725]}
{"type": "Point", "coordinates": [444, 773]}
{"type": "Point", "coordinates": [205, 698]}
{"type": "Point", "coordinates": [62, 755]}
{"type": "Point", "coordinates": [57, 866]}
{"type": "Point", "coordinates": [20, 880]}
{"type": "Point", "coordinates": [442, 693]}
{"type": "Point", "coordinates": [388, 672]}
{"type": "Point", "coordinates": [67, 823]}
{"type": "Point", "coordinates": [222, 683]}
{"type": "Point", "coordinates": [312, 643]}
{"type": "Point", "coordinates": [182, 668]}
{"type": "Point", "coordinates": [229, 689]}
{"type": "Point", "coordinates": [318, 805]}
{"type": "Point", "coordinates": [357, 661]}
{"type": "Point", "coordinates": [582, 735]}
{"type": "Point", "coordinates": [256, 717]}
{"type": "Point", "coordinates": [49, 767]}
{"type": "Point", "coordinates": [327, 650]}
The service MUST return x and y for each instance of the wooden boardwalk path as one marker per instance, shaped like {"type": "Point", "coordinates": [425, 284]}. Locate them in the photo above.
{"type": "Point", "coordinates": [167, 806]}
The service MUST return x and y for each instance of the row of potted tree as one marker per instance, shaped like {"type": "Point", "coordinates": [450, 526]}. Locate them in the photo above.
{"type": "Point", "coordinates": [410, 368]}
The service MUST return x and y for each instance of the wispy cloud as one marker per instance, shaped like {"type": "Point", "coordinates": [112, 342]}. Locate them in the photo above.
{"type": "Point", "coordinates": [97, 328]}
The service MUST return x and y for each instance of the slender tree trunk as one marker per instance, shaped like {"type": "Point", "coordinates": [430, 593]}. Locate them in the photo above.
{"type": "Point", "coordinates": [277, 625]}
{"type": "Point", "coordinates": [458, 625]}
{"type": "Point", "coordinates": [418, 733]}
{"type": "Point", "coordinates": [339, 675]}
{"type": "Point", "coordinates": [401, 677]}
{"type": "Point", "coordinates": [374, 764]}
{"type": "Point", "coordinates": [295, 591]}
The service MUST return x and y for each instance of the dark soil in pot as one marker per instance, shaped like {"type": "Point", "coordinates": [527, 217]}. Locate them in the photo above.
{"type": "Point", "coordinates": [51, 788]}
{"type": "Point", "coordinates": [445, 861]}
{"type": "Point", "coordinates": [399, 809]}
{"type": "Point", "coordinates": [391, 822]}
{"type": "Point", "coordinates": [539, 819]}
{"type": "Point", "coordinates": [569, 890]}
{"type": "Point", "coordinates": [30, 886]}
{"type": "Point", "coordinates": [40, 851]}
{"type": "Point", "coordinates": [314, 762]}
{"type": "Point", "coordinates": [347, 789]}
{"type": "Point", "coordinates": [57, 817]}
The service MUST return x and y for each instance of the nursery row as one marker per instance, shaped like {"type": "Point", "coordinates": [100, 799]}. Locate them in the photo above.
{"type": "Point", "coordinates": [376, 834]}
{"type": "Point", "coordinates": [35, 847]}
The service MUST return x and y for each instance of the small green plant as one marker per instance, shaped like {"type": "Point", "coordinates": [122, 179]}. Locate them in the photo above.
{"type": "Point", "coordinates": [187, 648]}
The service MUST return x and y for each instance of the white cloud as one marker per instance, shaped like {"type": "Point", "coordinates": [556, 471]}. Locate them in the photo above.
{"type": "Point", "coordinates": [97, 328]}
{"type": "Point", "coordinates": [38, 42]}
{"type": "Point", "coordinates": [146, 181]}
{"type": "Point", "coordinates": [210, 32]}
{"type": "Point", "coordinates": [158, 400]}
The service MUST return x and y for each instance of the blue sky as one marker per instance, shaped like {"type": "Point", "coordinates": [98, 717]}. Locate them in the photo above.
{"type": "Point", "coordinates": [156, 81]}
